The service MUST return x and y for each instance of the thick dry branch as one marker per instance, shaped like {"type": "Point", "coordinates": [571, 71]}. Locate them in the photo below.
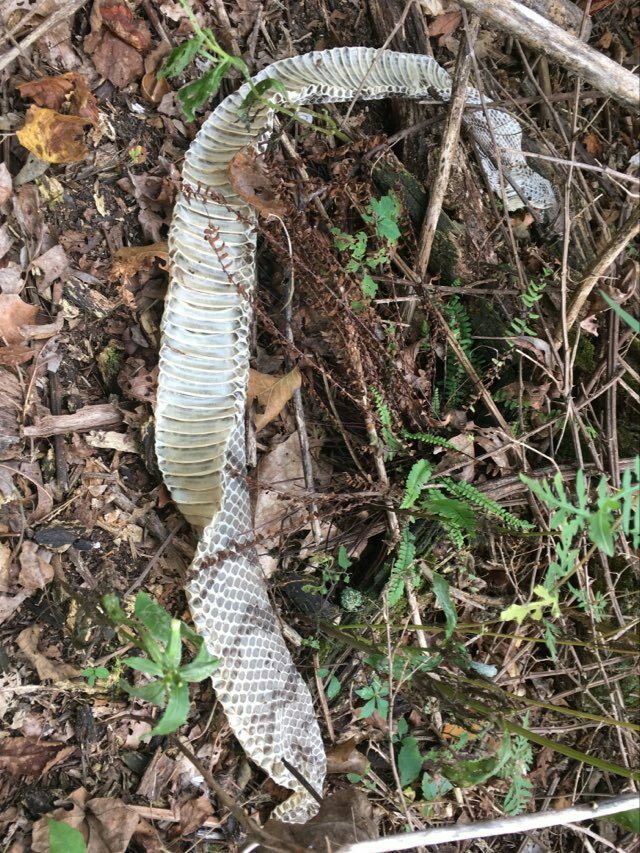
{"type": "Point", "coordinates": [89, 417]}
{"type": "Point", "coordinates": [602, 263]}
{"type": "Point", "coordinates": [560, 46]}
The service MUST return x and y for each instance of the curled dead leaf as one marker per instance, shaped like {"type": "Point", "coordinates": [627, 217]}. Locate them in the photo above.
{"type": "Point", "coordinates": [272, 393]}
{"type": "Point", "coordinates": [14, 314]}
{"type": "Point", "coordinates": [47, 669]}
{"type": "Point", "coordinates": [52, 137]}
{"type": "Point", "coordinates": [30, 756]}
{"type": "Point", "coordinates": [154, 88]}
{"type": "Point", "coordinates": [64, 90]}
{"type": "Point", "coordinates": [129, 260]}
{"type": "Point", "coordinates": [106, 823]}
{"type": "Point", "coordinates": [249, 178]}
{"type": "Point", "coordinates": [6, 187]}
{"type": "Point", "coordinates": [344, 818]}
{"type": "Point", "coordinates": [119, 18]}
{"type": "Point", "coordinates": [345, 758]}
{"type": "Point", "coordinates": [36, 570]}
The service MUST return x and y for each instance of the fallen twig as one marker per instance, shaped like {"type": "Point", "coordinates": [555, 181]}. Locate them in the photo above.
{"type": "Point", "coordinates": [550, 40]}
{"type": "Point", "coordinates": [67, 9]}
{"type": "Point", "coordinates": [449, 142]}
{"type": "Point", "coordinates": [599, 267]}
{"type": "Point", "coordinates": [89, 417]}
{"type": "Point", "coordinates": [491, 828]}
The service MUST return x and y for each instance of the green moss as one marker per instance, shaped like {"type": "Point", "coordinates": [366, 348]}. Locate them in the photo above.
{"type": "Point", "coordinates": [109, 363]}
{"type": "Point", "coordinates": [586, 355]}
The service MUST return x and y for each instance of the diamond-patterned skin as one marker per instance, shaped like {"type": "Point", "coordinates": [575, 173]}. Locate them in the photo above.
{"type": "Point", "coordinates": [202, 389]}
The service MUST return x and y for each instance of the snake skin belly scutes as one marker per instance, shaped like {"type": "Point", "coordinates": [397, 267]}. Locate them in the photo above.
{"type": "Point", "coordinates": [202, 391]}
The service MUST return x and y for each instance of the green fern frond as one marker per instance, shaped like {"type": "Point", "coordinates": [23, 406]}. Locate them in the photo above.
{"type": "Point", "coordinates": [386, 422]}
{"type": "Point", "coordinates": [402, 569]}
{"type": "Point", "coordinates": [472, 495]}
{"type": "Point", "coordinates": [455, 516]}
{"type": "Point", "coordinates": [428, 438]}
{"type": "Point", "coordinates": [416, 481]}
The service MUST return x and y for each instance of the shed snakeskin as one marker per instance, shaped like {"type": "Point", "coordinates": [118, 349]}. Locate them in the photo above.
{"type": "Point", "coordinates": [202, 389]}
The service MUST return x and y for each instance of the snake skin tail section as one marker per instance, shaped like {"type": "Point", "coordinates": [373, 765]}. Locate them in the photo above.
{"type": "Point", "coordinates": [202, 387]}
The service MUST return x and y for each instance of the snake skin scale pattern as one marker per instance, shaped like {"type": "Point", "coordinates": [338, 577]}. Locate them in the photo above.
{"type": "Point", "coordinates": [202, 390]}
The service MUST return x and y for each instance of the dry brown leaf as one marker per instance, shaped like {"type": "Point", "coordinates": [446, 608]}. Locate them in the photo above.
{"type": "Point", "coordinates": [8, 606]}
{"type": "Point", "coordinates": [280, 499]}
{"type": "Point", "coordinates": [35, 568]}
{"type": "Point", "coordinates": [250, 180]}
{"type": "Point", "coordinates": [14, 313]}
{"type": "Point", "coordinates": [445, 24]}
{"type": "Point", "coordinates": [106, 823]}
{"type": "Point", "coordinates": [118, 61]}
{"type": "Point", "coordinates": [49, 92]}
{"type": "Point", "coordinates": [344, 818]}
{"type": "Point", "coordinates": [272, 393]}
{"type": "Point", "coordinates": [593, 144]}
{"type": "Point", "coordinates": [132, 259]}
{"type": "Point", "coordinates": [6, 186]}
{"type": "Point", "coordinates": [119, 19]}
{"type": "Point", "coordinates": [6, 239]}
{"type": "Point", "coordinates": [64, 90]}
{"type": "Point", "coordinates": [137, 381]}
{"type": "Point", "coordinates": [52, 137]}
{"type": "Point", "coordinates": [193, 814]}
{"type": "Point", "coordinates": [464, 452]}
{"type": "Point", "coordinates": [47, 669]}
{"type": "Point", "coordinates": [345, 758]}
{"type": "Point", "coordinates": [11, 278]}
{"type": "Point", "coordinates": [52, 264]}
{"type": "Point", "coordinates": [27, 756]}
{"type": "Point", "coordinates": [154, 88]}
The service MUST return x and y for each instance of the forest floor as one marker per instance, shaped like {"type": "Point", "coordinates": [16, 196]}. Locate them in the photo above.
{"type": "Point", "coordinates": [470, 640]}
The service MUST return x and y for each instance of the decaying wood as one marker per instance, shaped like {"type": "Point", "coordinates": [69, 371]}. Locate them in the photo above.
{"type": "Point", "coordinates": [560, 46]}
{"type": "Point", "coordinates": [89, 417]}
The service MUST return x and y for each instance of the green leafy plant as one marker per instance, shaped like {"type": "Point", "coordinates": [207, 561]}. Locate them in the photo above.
{"type": "Point", "coordinates": [364, 258]}
{"type": "Point", "coordinates": [94, 673]}
{"type": "Point", "coordinates": [629, 319]}
{"type": "Point", "coordinates": [160, 639]}
{"type": "Point", "coordinates": [532, 295]}
{"type": "Point", "coordinates": [600, 518]}
{"type": "Point", "coordinates": [193, 95]}
{"type": "Point", "coordinates": [375, 694]}
{"type": "Point", "coordinates": [333, 687]}
{"type": "Point", "coordinates": [330, 574]}
{"type": "Point", "coordinates": [392, 443]}
{"type": "Point", "coordinates": [460, 325]}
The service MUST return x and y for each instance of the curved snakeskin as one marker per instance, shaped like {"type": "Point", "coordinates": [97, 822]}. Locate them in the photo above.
{"type": "Point", "coordinates": [202, 390]}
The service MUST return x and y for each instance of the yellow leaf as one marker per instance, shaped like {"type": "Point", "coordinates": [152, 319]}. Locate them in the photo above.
{"type": "Point", "coordinates": [272, 393]}
{"type": "Point", "coordinates": [52, 137]}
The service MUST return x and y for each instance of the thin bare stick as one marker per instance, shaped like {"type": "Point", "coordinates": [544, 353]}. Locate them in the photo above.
{"type": "Point", "coordinates": [492, 828]}
{"type": "Point", "coordinates": [599, 267]}
{"type": "Point", "coordinates": [65, 11]}
{"type": "Point", "coordinates": [447, 151]}
{"type": "Point", "coordinates": [568, 51]}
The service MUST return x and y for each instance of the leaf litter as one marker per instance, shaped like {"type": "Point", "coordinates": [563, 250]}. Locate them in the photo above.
{"type": "Point", "coordinates": [81, 508]}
